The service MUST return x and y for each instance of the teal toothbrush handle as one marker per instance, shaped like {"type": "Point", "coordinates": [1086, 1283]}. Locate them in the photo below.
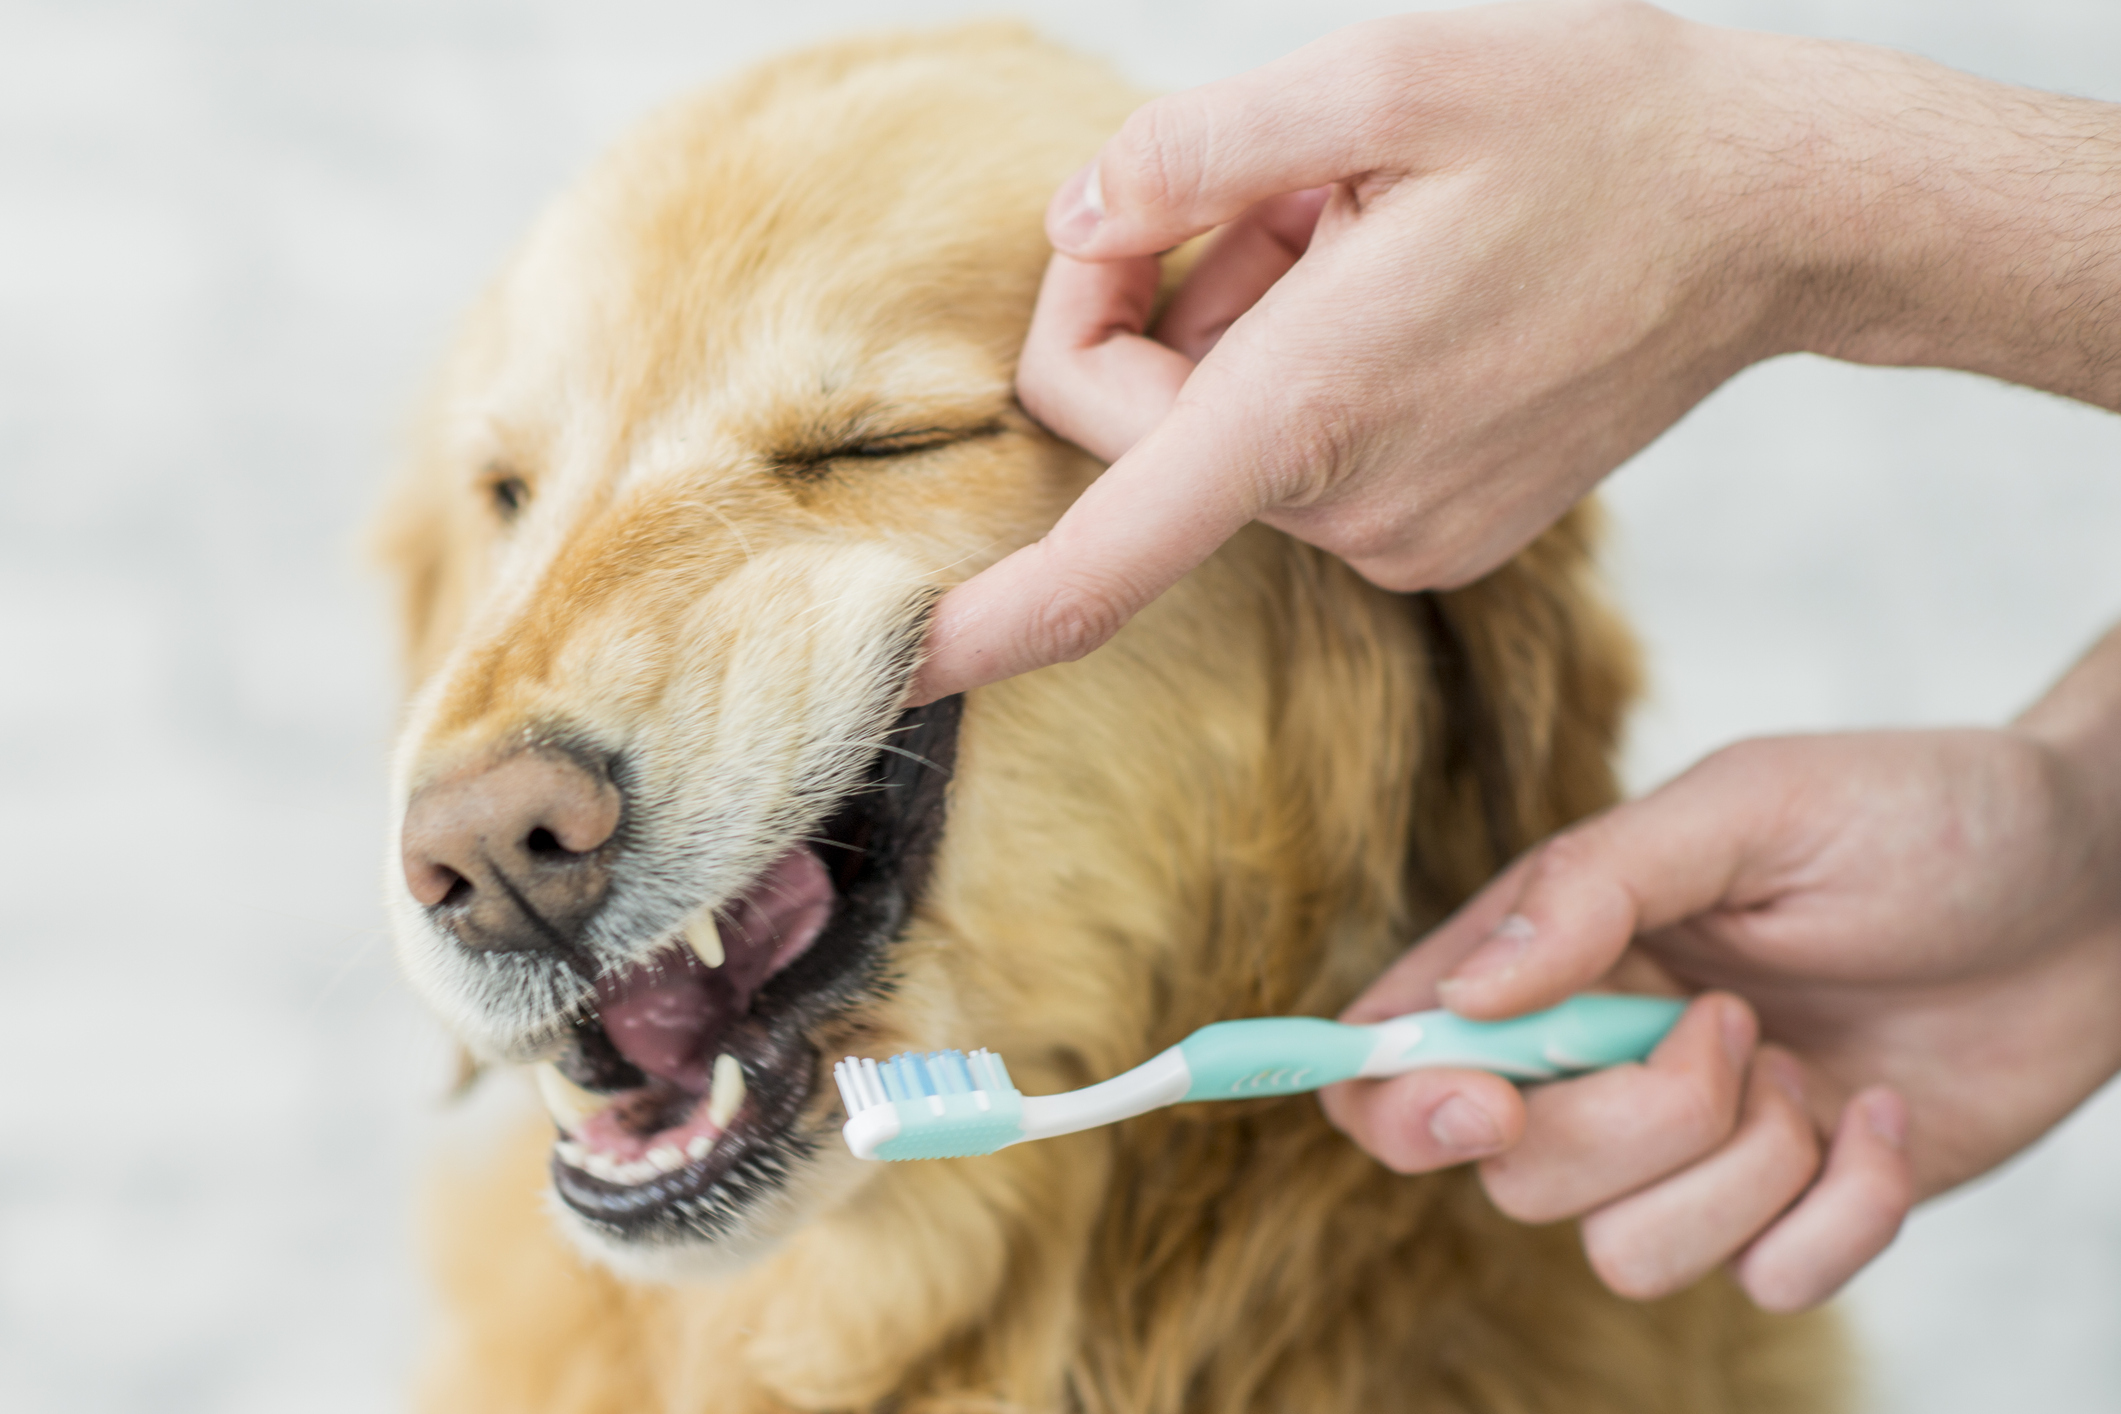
{"type": "Point", "coordinates": [1284, 1055]}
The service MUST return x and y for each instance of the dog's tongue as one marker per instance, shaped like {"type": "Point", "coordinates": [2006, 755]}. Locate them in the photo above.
{"type": "Point", "coordinates": [667, 1014]}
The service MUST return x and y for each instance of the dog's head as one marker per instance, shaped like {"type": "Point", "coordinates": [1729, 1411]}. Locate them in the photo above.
{"type": "Point", "coordinates": [726, 425]}
{"type": "Point", "coordinates": [734, 416]}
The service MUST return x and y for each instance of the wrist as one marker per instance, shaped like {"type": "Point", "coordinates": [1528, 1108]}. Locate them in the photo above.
{"type": "Point", "coordinates": [2078, 720]}
{"type": "Point", "coordinates": [2076, 725]}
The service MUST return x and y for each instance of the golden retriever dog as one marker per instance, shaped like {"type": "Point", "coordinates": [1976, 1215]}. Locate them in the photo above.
{"type": "Point", "coordinates": [704, 457]}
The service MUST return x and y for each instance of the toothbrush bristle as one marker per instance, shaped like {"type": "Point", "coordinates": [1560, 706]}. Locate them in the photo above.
{"type": "Point", "coordinates": [929, 1105]}
{"type": "Point", "coordinates": [913, 1075]}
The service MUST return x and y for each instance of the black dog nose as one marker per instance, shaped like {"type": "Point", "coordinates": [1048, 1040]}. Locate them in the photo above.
{"type": "Point", "coordinates": [508, 854]}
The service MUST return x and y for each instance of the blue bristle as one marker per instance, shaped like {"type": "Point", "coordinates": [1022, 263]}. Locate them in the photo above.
{"type": "Point", "coordinates": [951, 1105]}
{"type": "Point", "coordinates": [960, 1074]}
{"type": "Point", "coordinates": [893, 1072]}
{"type": "Point", "coordinates": [917, 1072]}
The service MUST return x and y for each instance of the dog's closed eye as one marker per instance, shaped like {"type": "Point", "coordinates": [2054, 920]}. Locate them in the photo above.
{"type": "Point", "coordinates": [811, 462]}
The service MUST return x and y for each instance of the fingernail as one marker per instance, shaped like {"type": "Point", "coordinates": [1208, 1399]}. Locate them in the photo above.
{"type": "Point", "coordinates": [1887, 1118]}
{"type": "Point", "coordinates": [1082, 205]}
{"type": "Point", "coordinates": [1737, 1034]}
{"type": "Point", "coordinates": [1464, 1129]}
{"type": "Point", "coordinates": [1787, 1075]}
{"type": "Point", "coordinates": [1497, 957]}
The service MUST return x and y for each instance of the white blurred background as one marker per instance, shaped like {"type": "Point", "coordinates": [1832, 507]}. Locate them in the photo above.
{"type": "Point", "coordinates": [232, 238]}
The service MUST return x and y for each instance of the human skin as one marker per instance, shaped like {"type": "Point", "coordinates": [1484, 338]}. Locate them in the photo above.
{"type": "Point", "coordinates": [1471, 262]}
{"type": "Point", "coordinates": [1926, 924]}
{"type": "Point", "coordinates": [1547, 230]}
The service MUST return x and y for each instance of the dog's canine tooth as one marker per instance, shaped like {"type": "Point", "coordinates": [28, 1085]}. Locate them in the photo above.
{"type": "Point", "coordinates": [705, 938]}
{"type": "Point", "coordinates": [568, 1103]}
{"type": "Point", "coordinates": [700, 1147]}
{"type": "Point", "coordinates": [728, 1095]}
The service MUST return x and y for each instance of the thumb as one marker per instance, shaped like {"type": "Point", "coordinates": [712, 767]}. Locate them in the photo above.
{"type": "Point", "coordinates": [1560, 918]}
{"type": "Point", "coordinates": [1190, 161]}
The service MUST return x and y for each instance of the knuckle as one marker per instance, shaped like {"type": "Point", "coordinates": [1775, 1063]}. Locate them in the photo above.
{"type": "Point", "coordinates": [1776, 1288]}
{"type": "Point", "coordinates": [1369, 541]}
{"type": "Point", "coordinates": [1615, 1253]}
{"type": "Point", "coordinates": [1881, 1195]}
{"type": "Point", "coordinates": [1519, 1195]}
{"type": "Point", "coordinates": [1045, 386]}
{"type": "Point", "coordinates": [1697, 1110]}
{"type": "Point", "coordinates": [1789, 1130]}
{"type": "Point", "coordinates": [1570, 852]}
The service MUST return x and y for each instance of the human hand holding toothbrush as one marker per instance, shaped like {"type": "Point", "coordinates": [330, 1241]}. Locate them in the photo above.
{"type": "Point", "coordinates": [1928, 925]}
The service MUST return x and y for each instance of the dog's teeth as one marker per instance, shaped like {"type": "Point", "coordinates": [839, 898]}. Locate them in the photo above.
{"type": "Point", "coordinates": [705, 938]}
{"type": "Point", "coordinates": [728, 1096]}
{"type": "Point", "coordinates": [601, 1167]}
{"type": "Point", "coordinates": [571, 1153]}
{"type": "Point", "coordinates": [700, 1147]}
{"type": "Point", "coordinates": [568, 1103]}
{"type": "Point", "coordinates": [666, 1158]}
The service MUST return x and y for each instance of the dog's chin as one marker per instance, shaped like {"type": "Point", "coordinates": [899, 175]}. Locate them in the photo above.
{"type": "Point", "coordinates": [685, 1086]}
{"type": "Point", "coordinates": [681, 1259]}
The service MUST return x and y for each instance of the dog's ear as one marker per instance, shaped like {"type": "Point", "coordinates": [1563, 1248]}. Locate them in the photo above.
{"type": "Point", "coordinates": [1533, 673]}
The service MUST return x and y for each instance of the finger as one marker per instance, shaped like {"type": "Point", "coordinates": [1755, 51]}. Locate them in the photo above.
{"type": "Point", "coordinates": [1412, 983]}
{"type": "Point", "coordinates": [1187, 162]}
{"type": "Point", "coordinates": [1196, 479]}
{"type": "Point", "coordinates": [1245, 259]}
{"type": "Point", "coordinates": [1124, 541]}
{"type": "Point", "coordinates": [1590, 1141]}
{"type": "Point", "coordinates": [1673, 1233]}
{"type": "Point", "coordinates": [1850, 1216]}
{"type": "Point", "coordinates": [1585, 893]}
{"type": "Point", "coordinates": [1087, 371]}
{"type": "Point", "coordinates": [1428, 1119]}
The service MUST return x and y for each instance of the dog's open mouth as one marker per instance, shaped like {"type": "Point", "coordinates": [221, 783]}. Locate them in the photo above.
{"type": "Point", "coordinates": [679, 1089]}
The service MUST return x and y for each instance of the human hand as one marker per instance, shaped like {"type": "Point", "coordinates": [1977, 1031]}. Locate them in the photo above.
{"type": "Point", "coordinates": [1928, 925]}
{"type": "Point", "coordinates": [1476, 259]}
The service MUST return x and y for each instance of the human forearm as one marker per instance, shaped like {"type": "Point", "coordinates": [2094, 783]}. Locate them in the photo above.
{"type": "Point", "coordinates": [1938, 219]}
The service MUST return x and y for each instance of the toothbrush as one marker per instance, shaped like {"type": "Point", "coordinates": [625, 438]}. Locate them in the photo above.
{"type": "Point", "coordinates": [947, 1104]}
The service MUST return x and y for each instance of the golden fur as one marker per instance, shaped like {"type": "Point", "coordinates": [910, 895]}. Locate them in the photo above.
{"type": "Point", "coordinates": [1247, 804]}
